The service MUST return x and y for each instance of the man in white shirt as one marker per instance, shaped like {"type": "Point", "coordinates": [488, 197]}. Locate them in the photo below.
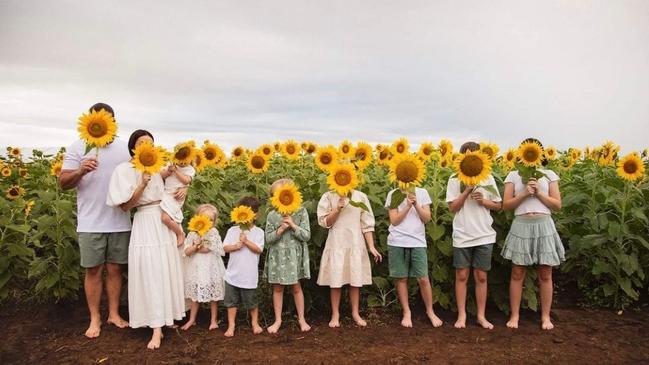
{"type": "Point", "coordinates": [104, 231]}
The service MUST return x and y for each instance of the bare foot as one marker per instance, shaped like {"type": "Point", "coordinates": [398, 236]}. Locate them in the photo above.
{"type": "Point", "coordinates": [180, 238]}
{"type": "Point", "coordinates": [172, 326]}
{"type": "Point", "coordinates": [434, 320]}
{"type": "Point", "coordinates": [155, 341]}
{"type": "Point", "coordinates": [94, 329]}
{"type": "Point", "coordinates": [256, 329]}
{"type": "Point", "coordinates": [513, 322]}
{"type": "Point", "coordinates": [274, 328]}
{"type": "Point", "coordinates": [304, 327]}
{"type": "Point", "coordinates": [213, 326]}
{"type": "Point", "coordinates": [461, 321]}
{"type": "Point", "coordinates": [187, 325]}
{"type": "Point", "coordinates": [229, 332]}
{"type": "Point", "coordinates": [117, 321]}
{"type": "Point", "coordinates": [359, 320]}
{"type": "Point", "coordinates": [546, 324]}
{"type": "Point", "coordinates": [335, 321]}
{"type": "Point", "coordinates": [485, 324]}
{"type": "Point", "coordinates": [406, 321]}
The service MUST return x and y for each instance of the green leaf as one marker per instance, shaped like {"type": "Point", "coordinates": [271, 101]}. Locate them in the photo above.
{"type": "Point", "coordinates": [397, 198]}
{"type": "Point", "coordinates": [488, 188]}
{"type": "Point", "coordinates": [89, 146]}
{"type": "Point", "coordinates": [360, 205]}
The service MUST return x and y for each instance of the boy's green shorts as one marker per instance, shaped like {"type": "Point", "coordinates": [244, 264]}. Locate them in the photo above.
{"type": "Point", "coordinates": [239, 297]}
{"type": "Point", "coordinates": [408, 262]}
{"type": "Point", "coordinates": [99, 248]}
{"type": "Point", "coordinates": [478, 257]}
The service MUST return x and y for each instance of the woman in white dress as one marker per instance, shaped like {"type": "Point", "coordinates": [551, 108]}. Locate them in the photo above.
{"type": "Point", "coordinates": [155, 281]}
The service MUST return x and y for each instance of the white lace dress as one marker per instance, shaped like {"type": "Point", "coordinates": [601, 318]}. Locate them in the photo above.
{"type": "Point", "coordinates": [204, 272]}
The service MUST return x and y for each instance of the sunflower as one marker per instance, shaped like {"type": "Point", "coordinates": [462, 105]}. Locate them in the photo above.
{"type": "Point", "coordinates": [200, 162]}
{"type": "Point", "coordinates": [630, 167]}
{"type": "Point", "coordinates": [346, 150]}
{"type": "Point", "coordinates": [148, 158]}
{"type": "Point", "coordinates": [290, 149]}
{"type": "Point", "coordinates": [14, 192]}
{"type": "Point", "coordinates": [567, 162]}
{"type": "Point", "coordinates": [407, 170]}
{"type": "Point", "coordinates": [266, 150]}
{"type": "Point", "coordinates": [384, 156]}
{"type": "Point", "coordinates": [575, 153]}
{"type": "Point", "coordinates": [362, 155]}
{"type": "Point", "coordinates": [311, 148]}
{"type": "Point", "coordinates": [55, 170]}
{"type": "Point", "coordinates": [286, 198]}
{"type": "Point", "coordinates": [14, 152]}
{"type": "Point", "coordinates": [550, 153]}
{"type": "Point", "coordinates": [510, 157]}
{"type": "Point", "coordinates": [277, 146]}
{"type": "Point", "coordinates": [97, 128]}
{"type": "Point", "coordinates": [326, 157]}
{"type": "Point", "coordinates": [257, 163]}
{"type": "Point", "coordinates": [342, 178]}
{"type": "Point", "coordinates": [472, 167]}
{"type": "Point", "coordinates": [489, 149]}
{"type": "Point", "coordinates": [184, 153]}
{"type": "Point", "coordinates": [214, 155]}
{"type": "Point", "coordinates": [28, 207]}
{"type": "Point", "coordinates": [400, 146]}
{"type": "Point", "coordinates": [238, 152]}
{"type": "Point", "coordinates": [200, 223]}
{"type": "Point", "coordinates": [426, 151]}
{"type": "Point", "coordinates": [6, 172]}
{"type": "Point", "coordinates": [446, 161]}
{"type": "Point", "coordinates": [530, 154]}
{"type": "Point", "coordinates": [242, 215]}
{"type": "Point", "coordinates": [445, 147]}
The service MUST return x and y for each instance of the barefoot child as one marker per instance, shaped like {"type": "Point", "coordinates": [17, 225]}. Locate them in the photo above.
{"type": "Point", "coordinates": [345, 260]}
{"type": "Point", "coordinates": [244, 247]}
{"type": "Point", "coordinates": [176, 176]}
{"type": "Point", "coordinates": [473, 239]}
{"type": "Point", "coordinates": [287, 260]}
{"type": "Point", "coordinates": [204, 269]}
{"type": "Point", "coordinates": [532, 238]}
{"type": "Point", "coordinates": [407, 250]}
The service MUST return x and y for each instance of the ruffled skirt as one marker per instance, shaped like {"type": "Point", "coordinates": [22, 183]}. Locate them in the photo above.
{"type": "Point", "coordinates": [345, 260]}
{"type": "Point", "coordinates": [533, 241]}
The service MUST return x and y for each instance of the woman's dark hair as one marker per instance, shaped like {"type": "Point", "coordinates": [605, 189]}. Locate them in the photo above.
{"type": "Point", "coordinates": [251, 202]}
{"type": "Point", "coordinates": [544, 162]}
{"type": "Point", "coordinates": [469, 146]}
{"type": "Point", "coordinates": [99, 106]}
{"type": "Point", "coordinates": [134, 137]}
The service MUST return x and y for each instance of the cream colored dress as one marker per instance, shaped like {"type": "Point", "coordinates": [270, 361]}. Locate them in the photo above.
{"type": "Point", "coordinates": [155, 279]}
{"type": "Point", "coordinates": [345, 259]}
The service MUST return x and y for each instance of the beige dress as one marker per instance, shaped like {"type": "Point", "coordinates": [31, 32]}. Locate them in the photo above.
{"type": "Point", "coordinates": [345, 259]}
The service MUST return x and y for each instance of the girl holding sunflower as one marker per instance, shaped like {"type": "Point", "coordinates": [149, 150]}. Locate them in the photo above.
{"type": "Point", "coordinates": [287, 261]}
{"type": "Point", "coordinates": [533, 237]}
{"type": "Point", "coordinates": [155, 282]}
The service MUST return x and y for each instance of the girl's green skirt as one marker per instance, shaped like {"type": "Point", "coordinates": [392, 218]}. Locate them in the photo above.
{"type": "Point", "coordinates": [533, 241]}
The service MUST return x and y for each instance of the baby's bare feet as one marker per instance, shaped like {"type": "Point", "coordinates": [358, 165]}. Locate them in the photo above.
{"type": "Point", "coordinates": [180, 238]}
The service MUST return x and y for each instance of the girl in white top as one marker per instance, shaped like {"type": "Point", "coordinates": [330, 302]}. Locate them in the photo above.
{"type": "Point", "coordinates": [176, 177]}
{"type": "Point", "coordinates": [204, 269]}
{"type": "Point", "coordinates": [533, 238]}
{"type": "Point", "coordinates": [155, 278]}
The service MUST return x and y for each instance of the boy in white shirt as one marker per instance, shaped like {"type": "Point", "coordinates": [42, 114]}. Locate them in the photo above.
{"type": "Point", "coordinates": [242, 274]}
{"type": "Point", "coordinates": [473, 239]}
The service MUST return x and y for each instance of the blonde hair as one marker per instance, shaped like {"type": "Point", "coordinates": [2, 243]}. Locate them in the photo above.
{"type": "Point", "coordinates": [208, 209]}
{"type": "Point", "coordinates": [279, 182]}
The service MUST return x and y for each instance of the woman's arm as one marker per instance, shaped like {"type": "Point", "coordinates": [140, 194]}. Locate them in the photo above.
{"type": "Point", "coordinates": [552, 200]}
{"type": "Point", "coordinates": [137, 194]}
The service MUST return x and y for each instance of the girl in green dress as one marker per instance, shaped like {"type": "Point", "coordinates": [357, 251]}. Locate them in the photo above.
{"type": "Point", "coordinates": [287, 260]}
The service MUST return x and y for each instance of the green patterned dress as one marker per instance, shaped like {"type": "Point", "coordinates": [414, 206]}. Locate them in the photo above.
{"type": "Point", "coordinates": [287, 259]}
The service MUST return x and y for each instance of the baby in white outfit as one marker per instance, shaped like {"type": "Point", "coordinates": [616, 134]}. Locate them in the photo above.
{"type": "Point", "coordinates": [176, 177]}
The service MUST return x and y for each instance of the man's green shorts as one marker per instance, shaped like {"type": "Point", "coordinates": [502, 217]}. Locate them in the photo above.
{"type": "Point", "coordinates": [100, 248]}
{"type": "Point", "coordinates": [478, 257]}
{"type": "Point", "coordinates": [239, 297]}
{"type": "Point", "coordinates": [408, 262]}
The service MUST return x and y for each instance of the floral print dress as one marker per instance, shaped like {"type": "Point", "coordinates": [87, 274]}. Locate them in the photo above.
{"type": "Point", "coordinates": [287, 259]}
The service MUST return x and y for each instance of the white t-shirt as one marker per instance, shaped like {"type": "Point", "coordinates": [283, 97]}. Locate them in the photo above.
{"type": "Point", "coordinates": [472, 223]}
{"type": "Point", "coordinates": [93, 215]}
{"type": "Point", "coordinates": [532, 204]}
{"type": "Point", "coordinates": [411, 232]}
{"type": "Point", "coordinates": [243, 264]}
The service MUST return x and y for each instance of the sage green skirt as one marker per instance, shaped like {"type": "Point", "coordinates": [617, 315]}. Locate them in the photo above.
{"type": "Point", "coordinates": [533, 241]}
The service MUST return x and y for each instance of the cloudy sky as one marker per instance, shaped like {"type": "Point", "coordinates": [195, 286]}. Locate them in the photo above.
{"type": "Point", "coordinates": [249, 72]}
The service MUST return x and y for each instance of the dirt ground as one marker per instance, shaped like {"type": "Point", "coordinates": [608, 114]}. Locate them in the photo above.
{"type": "Point", "coordinates": [54, 335]}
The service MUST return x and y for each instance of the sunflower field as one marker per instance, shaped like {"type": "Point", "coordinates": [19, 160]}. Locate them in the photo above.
{"type": "Point", "coordinates": [603, 221]}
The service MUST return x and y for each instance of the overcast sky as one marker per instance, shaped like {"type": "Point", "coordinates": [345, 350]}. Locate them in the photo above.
{"type": "Point", "coordinates": [249, 72]}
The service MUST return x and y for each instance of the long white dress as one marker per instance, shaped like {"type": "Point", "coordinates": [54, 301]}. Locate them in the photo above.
{"type": "Point", "coordinates": [155, 281]}
{"type": "Point", "coordinates": [204, 272]}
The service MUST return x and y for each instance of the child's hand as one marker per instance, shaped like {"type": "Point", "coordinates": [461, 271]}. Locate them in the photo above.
{"type": "Point", "coordinates": [411, 199]}
{"type": "Point", "coordinates": [197, 240]}
{"type": "Point", "coordinates": [242, 237]}
{"type": "Point", "coordinates": [376, 254]}
{"type": "Point", "coordinates": [171, 168]}
{"type": "Point", "coordinates": [146, 177]}
{"type": "Point", "coordinates": [478, 197]}
{"type": "Point", "coordinates": [288, 221]}
{"type": "Point", "coordinates": [531, 187]}
{"type": "Point", "coordinates": [342, 202]}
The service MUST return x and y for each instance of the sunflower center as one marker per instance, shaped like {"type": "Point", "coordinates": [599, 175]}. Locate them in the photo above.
{"type": "Point", "coordinates": [97, 129]}
{"type": "Point", "coordinates": [530, 154]}
{"type": "Point", "coordinates": [14, 191]}
{"type": "Point", "coordinates": [310, 149]}
{"type": "Point", "coordinates": [266, 151]}
{"type": "Point", "coordinates": [407, 171]}
{"type": "Point", "coordinates": [210, 154]}
{"type": "Point", "coordinates": [286, 197]}
{"type": "Point", "coordinates": [510, 156]}
{"type": "Point", "coordinates": [630, 167]}
{"type": "Point", "coordinates": [442, 149]}
{"type": "Point", "coordinates": [148, 158]}
{"type": "Point", "coordinates": [383, 155]}
{"type": "Point", "coordinates": [345, 149]}
{"type": "Point", "coordinates": [257, 162]}
{"type": "Point", "coordinates": [427, 151]}
{"type": "Point", "coordinates": [360, 155]}
{"type": "Point", "coordinates": [182, 153]}
{"type": "Point", "coordinates": [343, 178]}
{"type": "Point", "coordinates": [471, 166]}
{"type": "Point", "coordinates": [238, 152]}
{"type": "Point", "coordinates": [243, 216]}
{"type": "Point", "coordinates": [325, 158]}
{"type": "Point", "coordinates": [200, 226]}
{"type": "Point", "coordinates": [488, 151]}
{"type": "Point", "coordinates": [401, 148]}
{"type": "Point", "coordinates": [290, 149]}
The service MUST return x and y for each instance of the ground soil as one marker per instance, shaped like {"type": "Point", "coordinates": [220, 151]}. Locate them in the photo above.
{"type": "Point", "coordinates": [51, 334]}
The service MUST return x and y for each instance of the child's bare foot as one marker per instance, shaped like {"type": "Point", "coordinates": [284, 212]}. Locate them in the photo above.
{"type": "Point", "coordinates": [155, 341]}
{"type": "Point", "coordinates": [274, 328]}
{"type": "Point", "coordinates": [335, 321]}
{"type": "Point", "coordinates": [180, 237]}
{"type": "Point", "coordinates": [434, 320]}
{"type": "Point", "coordinates": [213, 326]}
{"type": "Point", "coordinates": [94, 329]}
{"type": "Point", "coordinates": [117, 321]}
{"type": "Point", "coordinates": [485, 324]}
{"type": "Point", "coordinates": [513, 322]}
{"type": "Point", "coordinates": [461, 321]}
{"type": "Point", "coordinates": [359, 320]}
{"type": "Point", "coordinates": [304, 327]}
{"type": "Point", "coordinates": [546, 324]}
{"type": "Point", "coordinates": [256, 329]}
{"type": "Point", "coordinates": [406, 321]}
{"type": "Point", "coordinates": [229, 332]}
{"type": "Point", "coordinates": [187, 325]}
